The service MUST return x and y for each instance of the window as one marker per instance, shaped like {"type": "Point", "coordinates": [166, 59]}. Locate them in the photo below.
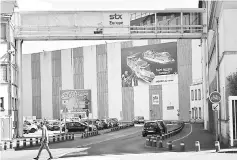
{"type": "Point", "coordinates": [192, 96]}
{"type": "Point", "coordinates": [200, 113]}
{"type": "Point", "coordinates": [199, 94]}
{"type": "Point", "coordinates": [195, 94]}
{"type": "Point", "coordinates": [3, 73]}
{"type": "Point", "coordinates": [1, 103]}
{"type": "Point", "coordinates": [196, 112]}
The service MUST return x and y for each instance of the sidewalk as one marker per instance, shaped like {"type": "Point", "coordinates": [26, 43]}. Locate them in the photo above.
{"type": "Point", "coordinates": [192, 133]}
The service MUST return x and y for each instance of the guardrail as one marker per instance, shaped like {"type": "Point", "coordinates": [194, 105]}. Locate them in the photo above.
{"type": "Point", "coordinates": [95, 133]}
{"type": "Point", "coordinates": [23, 143]}
{"type": "Point", "coordinates": [156, 141]}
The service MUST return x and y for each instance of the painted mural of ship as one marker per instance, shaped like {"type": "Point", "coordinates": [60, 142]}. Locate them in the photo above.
{"type": "Point", "coordinates": [141, 68]}
{"type": "Point", "coordinates": [158, 57]}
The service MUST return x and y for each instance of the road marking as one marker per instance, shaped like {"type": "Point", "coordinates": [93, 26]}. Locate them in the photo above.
{"type": "Point", "coordinates": [108, 139]}
{"type": "Point", "coordinates": [185, 135]}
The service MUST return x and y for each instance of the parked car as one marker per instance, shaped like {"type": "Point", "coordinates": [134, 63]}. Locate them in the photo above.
{"type": "Point", "coordinates": [151, 127]}
{"type": "Point", "coordinates": [105, 124]}
{"type": "Point", "coordinates": [138, 120]}
{"type": "Point", "coordinates": [31, 126]}
{"type": "Point", "coordinates": [115, 122]}
{"type": "Point", "coordinates": [26, 129]}
{"type": "Point", "coordinates": [75, 126]}
{"type": "Point", "coordinates": [90, 123]}
{"type": "Point", "coordinates": [99, 124]}
{"type": "Point", "coordinates": [53, 125]}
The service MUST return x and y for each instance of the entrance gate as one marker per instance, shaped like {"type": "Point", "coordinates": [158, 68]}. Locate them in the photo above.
{"type": "Point", "coordinates": [104, 25]}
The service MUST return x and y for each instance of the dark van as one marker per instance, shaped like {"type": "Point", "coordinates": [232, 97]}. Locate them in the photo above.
{"type": "Point", "coordinates": [151, 127]}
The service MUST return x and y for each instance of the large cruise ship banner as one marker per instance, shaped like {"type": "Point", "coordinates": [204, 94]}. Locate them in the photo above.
{"type": "Point", "coordinates": [74, 100]}
{"type": "Point", "coordinates": [151, 64]}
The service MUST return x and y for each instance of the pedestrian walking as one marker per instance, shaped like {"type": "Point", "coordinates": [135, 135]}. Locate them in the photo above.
{"type": "Point", "coordinates": [44, 142]}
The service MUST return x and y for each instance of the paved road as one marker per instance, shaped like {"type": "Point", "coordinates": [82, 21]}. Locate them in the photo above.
{"type": "Point", "coordinates": [124, 144]}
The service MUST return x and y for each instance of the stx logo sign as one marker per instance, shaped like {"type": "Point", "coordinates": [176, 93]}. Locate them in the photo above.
{"type": "Point", "coordinates": [115, 16]}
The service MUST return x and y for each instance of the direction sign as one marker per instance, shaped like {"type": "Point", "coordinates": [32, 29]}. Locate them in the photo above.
{"type": "Point", "coordinates": [215, 97]}
{"type": "Point", "coordinates": [215, 107]}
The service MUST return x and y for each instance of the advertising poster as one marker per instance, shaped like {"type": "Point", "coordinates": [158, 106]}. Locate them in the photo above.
{"type": "Point", "coordinates": [155, 99]}
{"type": "Point", "coordinates": [75, 100]}
{"type": "Point", "coordinates": [149, 65]}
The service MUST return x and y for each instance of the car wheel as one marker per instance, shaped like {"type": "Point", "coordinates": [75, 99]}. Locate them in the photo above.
{"type": "Point", "coordinates": [143, 135]}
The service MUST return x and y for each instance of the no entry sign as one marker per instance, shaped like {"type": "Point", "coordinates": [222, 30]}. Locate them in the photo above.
{"type": "Point", "coordinates": [215, 97]}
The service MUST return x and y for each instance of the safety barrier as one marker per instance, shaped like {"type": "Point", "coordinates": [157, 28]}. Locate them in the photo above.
{"type": "Point", "coordinates": [157, 141]}
{"type": "Point", "coordinates": [89, 134]}
{"type": "Point", "coordinates": [122, 127]}
{"type": "Point", "coordinates": [23, 143]}
{"type": "Point", "coordinates": [95, 133]}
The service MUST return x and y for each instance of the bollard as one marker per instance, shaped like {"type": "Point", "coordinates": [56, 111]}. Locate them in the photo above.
{"type": "Point", "coordinates": [69, 136]}
{"type": "Point", "coordinates": [31, 142]}
{"type": "Point", "coordinates": [24, 143]}
{"type": "Point", "coordinates": [157, 139]}
{"type": "Point", "coordinates": [5, 145]}
{"type": "Point", "coordinates": [62, 137]}
{"type": "Point", "coordinates": [169, 145]}
{"type": "Point", "coordinates": [37, 140]}
{"type": "Point", "coordinates": [163, 137]}
{"type": "Point", "coordinates": [154, 142]}
{"type": "Point", "coordinates": [182, 147]}
{"type": "Point", "coordinates": [72, 136]}
{"type": "Point", "coordinates": [10, 144]}
{"type": "Point", "coordinates": [147, 141]}
{"type": "Point", "coordinates": [197, 146]}
{"type": "Point", "coordinates": [17, 144]}
{"type": "Point", "coordinates": [160, 144]}
{"type": "Point", "coordinates": [217, 146]}
{"type": "Point", "coordinates": [53, 138]}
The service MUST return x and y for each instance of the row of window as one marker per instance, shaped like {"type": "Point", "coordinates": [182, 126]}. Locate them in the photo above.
{"type": "Point", "coordinates": [4, 74]}
{"type": "Point", "coordinates": [197, 113]}
{"type": "Point", "coordinates": [196, 94]}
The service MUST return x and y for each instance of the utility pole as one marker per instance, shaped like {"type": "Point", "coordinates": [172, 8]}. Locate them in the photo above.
{"type": "Point", "coordinates": [218, 74]}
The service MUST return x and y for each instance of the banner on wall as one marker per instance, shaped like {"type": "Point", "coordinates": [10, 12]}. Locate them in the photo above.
{"type": "Point", "coordinates": [155, 99]}
{"type": "Point", "coordinates": [75, 100]}
{"type": "Point", "coordinates": [149, 65]}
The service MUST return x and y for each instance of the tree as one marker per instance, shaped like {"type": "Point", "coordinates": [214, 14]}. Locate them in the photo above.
{"type": "Point", "coordinates": [232, 85]}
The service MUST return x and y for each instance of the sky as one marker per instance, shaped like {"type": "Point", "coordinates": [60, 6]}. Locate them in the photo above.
{"type": "Point", "coordinates": [79, 5]}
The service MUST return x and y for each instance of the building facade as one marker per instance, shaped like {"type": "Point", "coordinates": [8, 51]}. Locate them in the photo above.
{"type": "Point", "coordinates": [220, 62]}
{"type": "Point", "coordinates": [8, 74]}
{"type": "Point", "coordinates": [99, 68]}
{"type": "Point", "coordinates": [196, 105]}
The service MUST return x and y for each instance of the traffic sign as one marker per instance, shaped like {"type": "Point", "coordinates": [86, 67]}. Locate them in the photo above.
{"type": "Point", "coordinates": [215, 97]}
{"type": "Point", "coordinates": [215, 107]}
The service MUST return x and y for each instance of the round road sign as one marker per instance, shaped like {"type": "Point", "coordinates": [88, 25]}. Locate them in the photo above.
{"type": "Point", "coordinates": [215, 97]}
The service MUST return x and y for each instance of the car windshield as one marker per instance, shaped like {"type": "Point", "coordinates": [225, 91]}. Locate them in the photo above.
{"type": "Point", "coordinates": [150, 124]}
{"type": "Point", "coordinates": [140, 118]}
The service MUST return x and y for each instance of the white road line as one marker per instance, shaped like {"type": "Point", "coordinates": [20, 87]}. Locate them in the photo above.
{"type": "Point", "coordinates": [108, 139]}
{"type": "Point", "coordinates": [185, 135]}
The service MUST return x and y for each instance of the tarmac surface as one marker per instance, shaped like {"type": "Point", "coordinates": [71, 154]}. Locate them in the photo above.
{"type": "Point", "coordinates": [129, 144]}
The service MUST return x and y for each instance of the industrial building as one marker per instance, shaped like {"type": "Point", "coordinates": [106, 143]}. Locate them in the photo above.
{"type": "Point", "coordinates": [220, 62]}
